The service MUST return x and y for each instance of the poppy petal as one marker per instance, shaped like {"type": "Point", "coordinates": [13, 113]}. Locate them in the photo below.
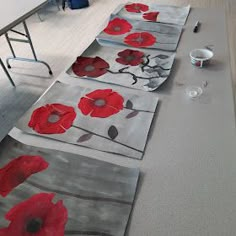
{"type": "Point", "coordinates": [96, 73]}
{"type": "Point", "coordinates": [122, 61]}
{"type": "Point", "coordinates": [136, 7]}
{"type": "Point", "coordinates": [151, 16]}
{"type": "Point", "coordinates": [18, 170]}
{"type": "Point", "coordinates": [84, 60]}
{"type": "Point", "coordinates": [136, 62]}
{"type": "Point", "coordinates": [40, 119]}
{"type": "Point", "coordinates": [130, 57]}
{"type": "Point", "coordinates": [103, 112]}
{"type": "Point", "coordinates": [85, 105]}
{"type": "Point", "coordinates": [91, 67]}
{"type": "Point", "coordinates": [78, 70]}
{"type": "Point", "coordinates": [133, 39]}
{"type": "Point", "coordinates": [115, 100]}
{"type": "Point", "coordinates": [124, 53]}
{"type": "Point", "coordinates": [39, 206]}
{"type": "Point", "coordinates": [118, 26]}
{"type": "Point", "coordinates": [98, 62]}
{"type": "Point", "coordinates": [113, 103]}
{"type": "Point", "coordinates": [43, 198]}
{"type": "Point", "coordinates": [99, 93]}
{"type": "Point", "coordinates": [58, 213]}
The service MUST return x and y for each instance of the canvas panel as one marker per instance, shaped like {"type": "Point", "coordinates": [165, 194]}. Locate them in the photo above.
{"type": "Point", "coordinates": [164, 13]}
{"type": "Point", "coordinates": [153, 35]}
{"type": "Point", "coordinates": [145, 72]}
{"type": "Point", "coordinates": [97, 195]}
{"type": "Point", "coordinates": [124, 132]}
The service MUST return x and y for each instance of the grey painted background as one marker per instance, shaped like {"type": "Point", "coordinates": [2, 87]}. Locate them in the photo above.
{"type": "Point", "coordinates": [98, 195]}
{"type": "Point", "coordinates": [167, 36]}
{"type": "Point", "coordinates": [133, 132]}
{"type": "Point", "coordinates": [167, 14]}
{"type": "Point", "coordinates": [154, 77]}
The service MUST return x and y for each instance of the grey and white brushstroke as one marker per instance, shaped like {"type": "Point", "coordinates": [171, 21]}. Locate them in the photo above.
{"type": "Point", "coordinates": [161, 63]}
{"type": "Point", "coordinates": [98, 195]}
{"type": "Point", "coordinates": [167, 14]}
{"type": "Point", "coordinates": [167, 36]}
{"type": "Point", "coordinates": [133, 133]}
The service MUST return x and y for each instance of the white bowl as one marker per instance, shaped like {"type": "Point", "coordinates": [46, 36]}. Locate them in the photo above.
{"type": "Point", "coordinates": [201, 57]}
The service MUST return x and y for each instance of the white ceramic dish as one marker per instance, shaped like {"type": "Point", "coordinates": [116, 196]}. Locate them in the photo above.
{"type": "Point", "coordinates": [201, 57]}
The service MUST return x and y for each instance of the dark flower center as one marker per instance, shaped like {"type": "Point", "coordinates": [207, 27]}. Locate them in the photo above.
{"type": "Point", "coordinates": [139, 39]}
{"type": "Point", "coordinates": [89, 68]}
{"type": "Point", "coordinates": [137, 7]}
{"type": "Point", "coordinates": [100, 102]}
{"type": "Point", "coordinates": [53, 118]}
{"type": "Point", "coordinates": [130, 58]}
{"type": "Point", "coordinates": [34, 225]}
{"type": "Point", "coordinates": [117, 28]}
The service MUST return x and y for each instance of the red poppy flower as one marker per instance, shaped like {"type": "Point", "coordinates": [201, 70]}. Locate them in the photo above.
{"type": "Point", "coordinates": [130, 57]}
{"type": "Point", "coordinates": [151, 16]}
{"type": "Point", "coordinates": [118, 26]}
{"type": "Point", "coordinates": [18, 170]}
{"type": "Point", "coordinates": [142, 39]}
{"type": "Point", "coordinates": [91, 67]}
{"type": "Point", "coordinates": [52, 119]}
{"type": "Point", "coordinates": [101, 103]}
{"type": "Point", "coordinates": [136, 7]}
{"type": "Point", "coordinates": [37, 216]}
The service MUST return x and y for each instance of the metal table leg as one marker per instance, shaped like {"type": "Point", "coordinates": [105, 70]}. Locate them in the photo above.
{"type": "Point", "coordinates": [27, 40]}
{"type": "Point", "coordinates": [56, 3]}
{"type": "Point", "coordinates": [8, 75]}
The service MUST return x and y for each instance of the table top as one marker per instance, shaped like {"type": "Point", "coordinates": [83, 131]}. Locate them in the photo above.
{"type": "Point", "coordinates": [13, 12]}
{"type": "Point", "coordinates": [187, 185]}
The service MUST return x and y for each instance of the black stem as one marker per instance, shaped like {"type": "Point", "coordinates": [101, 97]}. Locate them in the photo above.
{"type": "Point", "coordinates": [135, 77]}
{"type": "Point", "coordinates": [72, 232]}
{"type": "Point", "coordinates": [154, 67]}
{"type": "Point", "coordinates": [164, 43]}
{"type": "Point", "coordinates": [145, 63]}
{"type": "Point", "coordinates": [103, 199]}
{"type": "Point", "coordinates": [112, 140]}
{"type": "Point", "coordinates": [121, 71]}
{"type": "Point", "coordinates": [137, 110]}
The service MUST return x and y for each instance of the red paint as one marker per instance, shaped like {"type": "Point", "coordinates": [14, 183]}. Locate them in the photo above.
{"type": "Point", "coordinates": [37, 216]}
{"type": "Point", "coordinates": [130, 57]}
{"type": "Point", "coordinates": [142, 39]}
{"type": "Point", "coordinates": [101, 103]}
{"type": "Point", "coordinates": [90, 66]}
{"type": "Point", "coordinates": [18, 170]}
{"type": "Point", "coordinates": [118, 26]}
{"type": "Point", "coordinates": [136, 7]}
{"type": "Point", "coordinates": [52, 119]}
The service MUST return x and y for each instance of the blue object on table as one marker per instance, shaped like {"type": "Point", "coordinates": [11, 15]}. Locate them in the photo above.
{"type": "Point", "coordinates": [77, 4]}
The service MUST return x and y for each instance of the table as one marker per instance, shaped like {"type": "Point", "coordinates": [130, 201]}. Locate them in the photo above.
{"type": "Point", "coordinates": [187, 186]}
{"type": "Point", "coordinates": [12, 14]}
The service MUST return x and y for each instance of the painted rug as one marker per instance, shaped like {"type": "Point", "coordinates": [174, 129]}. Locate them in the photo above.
{"type": "Point", "coordinates": [140, 34]}
{"type": "Point", "coordinates": [139, 68]}
{"type": "Point", "coordinates": [109, 120]}
{"type": "Point", "coordinates": [154, 13]}
{"type": "Point", "coordinates": [47, 192]}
